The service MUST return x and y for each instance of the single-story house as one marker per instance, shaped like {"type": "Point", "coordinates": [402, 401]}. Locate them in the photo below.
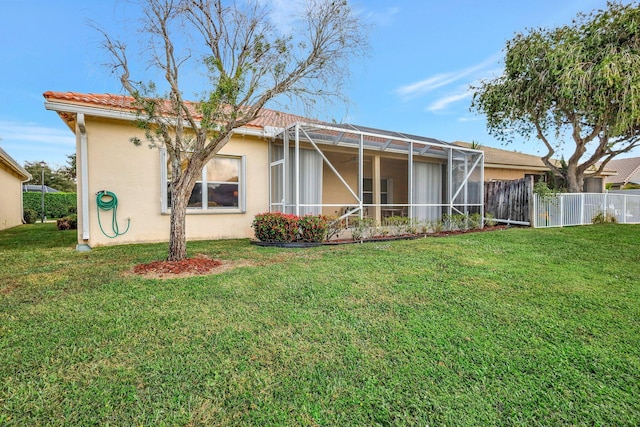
{"type": "Point", "coordinates": [505, 165]}
{"type": "Point", "coordinates": [12, 176]}
{"type": "Point", "coordinates": [627, 173]}
{"type": "Point", "coordinates": [279, 162]}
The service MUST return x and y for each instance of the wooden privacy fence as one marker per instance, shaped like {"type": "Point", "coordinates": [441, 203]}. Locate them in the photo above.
{"type": "Point", "coordinates": [509, 201]}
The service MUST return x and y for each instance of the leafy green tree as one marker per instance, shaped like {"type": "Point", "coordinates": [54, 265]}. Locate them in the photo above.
{"type": "Point", "coordinates": [582, 80]}
{"type": "Point", "coordinates": [54, 178]}
{"type": "Point", "coordinates": [69, 171]}
{"type": "Point", "coordinates": [248, 62]}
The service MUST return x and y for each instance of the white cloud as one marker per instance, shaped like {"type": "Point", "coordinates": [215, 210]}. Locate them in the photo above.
{"type": "Point", "coordinates": [380, 18]}
{"type": "Point", "coordinates": [32, 132]}
{"type": "Point", "coordinates": [284, 13]}
{"type": "Point", "coordinates": [29, 141]}
{"type": "Point", "coordinates": [427, 85]}
{"type": "Point", "coordinates": [444, 102]}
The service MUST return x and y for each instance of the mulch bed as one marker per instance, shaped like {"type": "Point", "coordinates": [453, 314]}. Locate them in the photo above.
{"type": "Point", "coordinates": [197, 265]}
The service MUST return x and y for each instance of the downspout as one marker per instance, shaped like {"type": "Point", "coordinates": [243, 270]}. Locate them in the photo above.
{"type": "Point", "coordinates": [84, 184]}
{"type": "Point", "coordinates": [297, 168]}
{"type": "Point", "coordinates": [22, 184]}
{"type": "Point", "coordinates": [450, 182]}
{"type": "Point", "coordinates": [360, 175]}
{"type": "Point", "coordinates": [410, 183]}
{"type": "Point", "coordinates": [482, 189]}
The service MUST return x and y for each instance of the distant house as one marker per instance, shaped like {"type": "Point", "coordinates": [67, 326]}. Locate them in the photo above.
{"type": "Point", "coordinates": [12, 176]}
{"type": "Point", "coordinates": [505, 165]}
{"type": "Point", "coordinates": [279, 162]}
{"type": "Point", "coordinates": [627, 173]}
{"type": "Point", "coordinates": [30, 188]}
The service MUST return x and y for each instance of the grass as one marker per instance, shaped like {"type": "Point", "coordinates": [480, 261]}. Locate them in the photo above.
{"type": "Point", "coordinates": [516, 327]}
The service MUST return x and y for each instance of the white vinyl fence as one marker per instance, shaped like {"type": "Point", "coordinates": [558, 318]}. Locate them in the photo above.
{"type": "Point", "coordinates": [581, 208]}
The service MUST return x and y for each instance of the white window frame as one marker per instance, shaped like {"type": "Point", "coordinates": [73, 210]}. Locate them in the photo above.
{"type": "Point", "coordinates": [388, 193]}
{"type": "Point", "coordinates": [205, 209]}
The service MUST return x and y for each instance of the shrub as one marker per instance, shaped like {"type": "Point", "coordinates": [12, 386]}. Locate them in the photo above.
{"type": "Point", "coordinates": [475, 221]}
{"type": "Point", "coordinates": [313, 228]}
{"type": "Point", "coordinates": [455, 222]}
{"type": "Point", "coordinates": [489, 219]}
{"type": "Point", "coordinates": [335, 227]}
{"type": "Point", "coordinates": [68, 222]}
{"type": "Point", "coordinates": [602, 218]}
{"type": "Point", "coordinates": [30, 216]}
{"type": "Point", "coordinates": [362, 228]}
{"type": "Point", "coordinates": [546, 194]}
{"type": "Point", "coordinates": [275, 227]}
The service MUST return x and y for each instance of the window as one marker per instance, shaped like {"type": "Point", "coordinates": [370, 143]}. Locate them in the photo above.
{"type": "Point", "coordinates": [221, 187]}
{"type": "Point", "coordinates": [367, 191]}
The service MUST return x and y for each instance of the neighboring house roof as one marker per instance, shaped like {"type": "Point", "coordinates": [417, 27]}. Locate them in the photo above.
{"type": "Point", "coordinates": [505, 159]}
{"type": "Point", "coordinates": [497, 158]}
{"type": "Point", "coordinates": [628, 171]}
{"type": "Point", "coordinates": [13, 166]}
{"type": "Point", "coordinates": [38, 188]}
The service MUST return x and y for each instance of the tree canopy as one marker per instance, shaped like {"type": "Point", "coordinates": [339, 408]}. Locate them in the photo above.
{"type": "Point", "coordinates": [60, 179]}
{"type": "Point", "coordinates": [579, 83]}
{"type": "Point", "coordinates": [247, 60]}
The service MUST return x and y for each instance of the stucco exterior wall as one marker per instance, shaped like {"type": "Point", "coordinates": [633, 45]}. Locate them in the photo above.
{"type": "Point", "coordinates": [333, 190]}
{"type": "Point", "coordinates": [134, 175]}
{"type": "Point", "coordinates": [500, 174]}
{"type": "Point", "coordinates": [10, 198]}
{"type": "Point", "coordinates": [394, 169]}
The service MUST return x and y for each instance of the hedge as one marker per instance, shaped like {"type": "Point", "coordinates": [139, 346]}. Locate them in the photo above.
{"type": "Point", "coordinates": [56, 205]}
{"type": "Point", "coordinates": [286, 228]}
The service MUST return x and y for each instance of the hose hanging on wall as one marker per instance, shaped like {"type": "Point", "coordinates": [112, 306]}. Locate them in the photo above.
{"type": "Point", "coordinates": [107, 201]}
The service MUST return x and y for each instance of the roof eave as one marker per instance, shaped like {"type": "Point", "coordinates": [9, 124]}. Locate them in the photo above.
{"type": "Point", "coordinates": [14, 166]}
{"type": "Point", "coordinates": [111, 113]}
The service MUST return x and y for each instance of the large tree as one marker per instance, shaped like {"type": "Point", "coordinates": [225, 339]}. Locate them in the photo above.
{"type": "Point", "coordinates": [580, 81]}
{"type": "Point", "coordinates": [248, 62]}
{"type": "Point", "coordinates": [54, 178]}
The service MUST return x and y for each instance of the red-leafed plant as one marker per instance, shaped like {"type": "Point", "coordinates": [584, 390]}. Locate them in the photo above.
{"type": "Point", "coordinates": [313, 228]}
{"type": "Point", "coordinates": [280, 227]}
{"type": "Point", "coordinates": [276, 227]}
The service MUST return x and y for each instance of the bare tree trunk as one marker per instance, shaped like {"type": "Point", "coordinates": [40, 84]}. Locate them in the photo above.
{"type": "Point", "coordinates": [177, 232]}
{"type": "Point", "coordinates": [574, 180]}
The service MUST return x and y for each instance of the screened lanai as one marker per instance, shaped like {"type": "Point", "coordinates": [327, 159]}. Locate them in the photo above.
{"type": "Point", "coordinates": [346, 170]}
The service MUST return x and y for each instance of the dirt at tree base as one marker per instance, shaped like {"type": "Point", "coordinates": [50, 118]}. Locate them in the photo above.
{"type": "Point", "coordinates": [199, 265]}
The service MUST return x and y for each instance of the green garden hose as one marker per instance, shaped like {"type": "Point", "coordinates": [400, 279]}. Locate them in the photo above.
{"type": "Point", "coordinates": [107, 201]}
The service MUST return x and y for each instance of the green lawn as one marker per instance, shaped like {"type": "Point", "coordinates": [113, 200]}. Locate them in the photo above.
{"type": "Point", "coordinates": [515, 327]}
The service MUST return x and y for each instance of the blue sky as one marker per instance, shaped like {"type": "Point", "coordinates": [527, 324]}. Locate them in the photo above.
{"type": "Point", "coordinates": [424, 56]}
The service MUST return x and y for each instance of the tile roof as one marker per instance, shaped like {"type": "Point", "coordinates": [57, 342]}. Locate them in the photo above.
{"type": "Point", "coordinates": [126, 103]}
{"type": "Point", "coordinates": [108, 104]}
{"type": "Point", "coordinates": [267, 118]}
{"type": "Point", "coordinates": [628, 171]}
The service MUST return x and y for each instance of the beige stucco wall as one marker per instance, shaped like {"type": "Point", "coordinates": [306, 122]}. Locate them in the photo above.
{"type": "Point", "coordinates": [133, 174]}
{"type": "Point", "coordinates": [10, 198]}
{"type": "Point", "coordinates": [333, 190]}
{"type": "Point", "coordinates": [393, 168]}
{"type": "Point", "coordinates": [500, 174]}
